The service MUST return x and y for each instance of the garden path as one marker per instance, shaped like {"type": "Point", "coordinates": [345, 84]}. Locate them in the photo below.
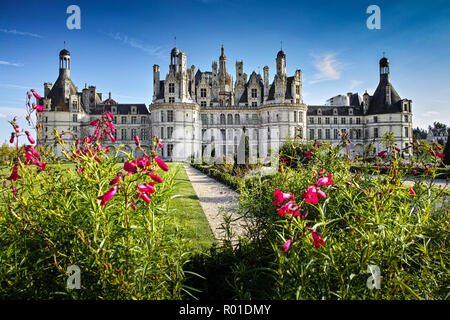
{"type": "Point", "coordinates": [216, 199]}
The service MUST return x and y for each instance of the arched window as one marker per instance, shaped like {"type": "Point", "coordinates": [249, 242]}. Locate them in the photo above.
{"type": "Point", "coordinates": [222, 119]}
{"type": "Point", "coordinates": [237, 119]}
{"type": "Point", "coordinates": [230, 119]}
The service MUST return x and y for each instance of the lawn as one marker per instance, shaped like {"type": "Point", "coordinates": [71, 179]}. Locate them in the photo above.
{"type": "Point", "coordinates": [188, 211]}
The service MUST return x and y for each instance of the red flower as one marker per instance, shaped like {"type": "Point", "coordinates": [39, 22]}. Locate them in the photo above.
{"type": "Point", "coordinates": [382, 154]}
{"type": "Point", "coordinates": [397, 149]}
{"type": "Point", "coordinates": [94, 122]}
{"type": "Point", "coordinates": [286, 208]}
{"type": "Point", "coordinates": [308, 154]}
{"type": "Point", "coordinates": [136, 140]}
{"type": "Point", "coordinates": [108, 195]}
{"type": "Point", "coordinates": [147, 188]}
{"type": "Point", "coordinates": [317, 240]}
{"type": "Point", "coordinates": [13, 135]}
{"type": "Point", "coordinates": [30, 138]}
{"type": "Point", "coordinates": [36, 95]}
{"type": "Point", "coordinates": [412, 192]}
{"type": "Point", "coordinates": [280, 197]}
{"type": "Point", "coordinates": [144, 197]}
{"type": "Point", "coordinates": [155, 177]}
{"type": "Point", "coordinates": [14, 176]}
{"type": "Point", "coordinates": [130, 167]}
{"type": "Point", "coordinates": [116, 179]}
{"type": "Point", "coordinates": [111, 136]}
{"type": "Point", "coordinates": [286, 245]}
{"type": "Point", "coordinates": [161, 164]}
{"type": "Point", "coordinates": [321, 194]}
{"type": "Point", "coordinates": [311, 195]}
{"type": "Point", "coordinates": [325, 181]}
{"type": "Point", "coordinates": [39, 108]}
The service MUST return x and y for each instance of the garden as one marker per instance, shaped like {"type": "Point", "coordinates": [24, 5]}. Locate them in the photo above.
{"type": "Point", "coordinates": [322, 225]}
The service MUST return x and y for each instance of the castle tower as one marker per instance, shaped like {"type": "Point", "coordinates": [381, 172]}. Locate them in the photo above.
{"type": "Point", "coordinates": [281, 63]}
{"type": "Point", "coordinates": [64, 63]}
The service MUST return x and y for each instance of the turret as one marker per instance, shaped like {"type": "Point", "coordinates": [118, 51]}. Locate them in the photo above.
{"type": "Point", "coordinates": [281, 63]}
{"type": "Point", "coordinates": [155, 81]}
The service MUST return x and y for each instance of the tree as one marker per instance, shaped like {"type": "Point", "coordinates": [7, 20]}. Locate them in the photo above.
{"type": "Point", "coordinates": [419, 134]}
{"type": "Point", "coordinates": [438, 125]}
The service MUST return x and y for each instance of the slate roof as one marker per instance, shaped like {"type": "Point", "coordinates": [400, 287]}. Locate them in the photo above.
{"type": "Point", "coordinates": [57, 93]}
{"type": "Point", "coordinates": [378, 104]}
{"type": "Point", "coordinates": [328, 110]}
{"type": "Point", "coordinates": [122, 109]}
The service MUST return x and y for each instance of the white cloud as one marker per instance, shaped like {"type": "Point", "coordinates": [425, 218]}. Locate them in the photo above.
{"type": "Point", "coordinates": [11, 63]}
{"type": "Point", "coordinates": [139, 44]}
{"type": "Point", "coordinates": [430, 114]}
{"type": "Point", "coordinates": [328, 66]}
{"type": "Point", "coordinates": [15, 86]}
{"type": "Point", "coordinates": [21, 33]}
{"type": "Point", "coordinates": [355, 83]}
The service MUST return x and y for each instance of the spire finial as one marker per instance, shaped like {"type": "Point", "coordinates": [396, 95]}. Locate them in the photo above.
{"type": "Point", "coordinates": [175, 41]}
{"type": "Point", "coordinates": [64, 44]}
{"type": "Point", "coordinates": [281, 45]}
{"type": "Point", "coordinates": [384, 54]}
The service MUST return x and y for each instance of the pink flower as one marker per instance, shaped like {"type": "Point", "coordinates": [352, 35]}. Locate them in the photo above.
{"type": "Point", "coordinates": [308, 154]}
{"type": "Point", "coordinates": [13, 135]}
{"type": "Point", "coordinates": [159, 143]}
{"type": "Point", "coordinates": [147, 188]}
{"type": "Point", "coordinates": [130, 167]}
{"type": "Point", "coordinates": [322, 171]}
{"type": "Point", "coordinates": [414, 171]}
{"type": "Point", "coordinates": [311, 195]}
{"type": "Point", "coordinates": [116, 179]}
{"type": "Point", "coordinates": [144, 197]}
{"type": "Point", "coordinates": [280, 197]}
{"type": "Point", "coordinates": [317, 240]}
{"type": "Point", "coordinates": [39, 108]}
{"type": "Point", "coordinates": [94, 122]}
{"type": "Point", "coordinates": [36, 95]}
{"type": "Point", "coordinates": [14, 189]}
{"type": "Point", "coordinates": [161, 164]}
{"type": "Point", "coordinates": [155, 177]}
{"type": "Point", "coordinates": [286, 245]}
{"type": "Point", "coordinates": [316, 144]}
{"type": "Point", "coordinates": [111, 136]}
{"type": "Point", "coordinates": [108, 195]}
{"type": "Point", "coordinates": [397, 149]}
{"type": "Point", "coordinates": [382, 154]}
{"type": "Point", "coordinates": [438, 154]}
{"type": "Point", "coordinates": [412, 192]}
{"type": "Point", "coordinates": [14, 175]}
{"type": "Point", "coordinates": [286, 208]}
{"type": "Point", "coordinates": [321, 194]}
{"type": "Point", "coordinates": [325, 181]}
{"type": "Point", "coordinates": [30, 138]}
{"type": "Point", "coordinates": [136, 140]}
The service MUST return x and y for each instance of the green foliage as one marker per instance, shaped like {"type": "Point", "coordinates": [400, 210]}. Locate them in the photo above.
{"type": "Point", "coordinates": [55, 221]}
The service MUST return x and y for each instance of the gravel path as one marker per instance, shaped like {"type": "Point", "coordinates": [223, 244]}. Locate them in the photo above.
{"type": "Point", "coordinates": [216, 200]}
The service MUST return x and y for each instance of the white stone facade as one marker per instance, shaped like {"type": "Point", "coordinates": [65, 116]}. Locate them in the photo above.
{"type": "Point", "coordinates": [199, 113]}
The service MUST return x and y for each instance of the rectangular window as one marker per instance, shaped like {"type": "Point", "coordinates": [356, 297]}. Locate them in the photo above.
{"type": "Point", "coordinates": [358, 120]}
{"type": "Point", "coordinates": [211, 119]}
{"type": "Point", "coordinates": [375, 132]}
{"type": "Point", "coordinates": [133, 120]}
{"type": "Point", "coordinates": [351, 120]}
{"type": "Point", "coordinates": [124, 120]}
{"type": "Point", "coordinates": [255, 119]}
{"type": "Point", "coordinates": [406, 118]}
{"type": "Point", "coordinates": [297, 90]}
{"type": "Point", "coordinates": [75, 105]}
{"type": "Point", "coordinates": [203, 93]}
{"type": "Point", "coordinates": [311, 134]}
{"type": "Point", "coordinates": [171, 99]}
{"type": "Point", "coordinates": [75, 129]}
{"type": "Point", "coordinates": [406, 132]}
{"type": "Point", "coordinates": [74, 117]}
{"type": "Point", "coordinates": [170, 116]}
{"type": "Point", "coordinates": [319, 120]}
{"type": "Point", "coordinates": [115, 120]}
{"type": "Point", "coordinates": [375, 119]}
{"type": "Point", "coordinates": [335, 120]}
{"type": "Point", "coordinates": [202, 103]}
{"type": "Point", "coordinates": [295, 116]}
{"type": "Point", "coordinates": [144, 134]}
{"type": "Point", "coordinates": [327, 120]}
{"type": "Point", "coordinates": [254, 104]}
{"type": "Point", "coordinates": [204, 118]}
{"type": "Point", "coordinates": [358, 134]}
{"type": "Point", "coordinates": [143, 120]}
{"type": "Point", "coordinates": [297, 101]}
{"type": "Point", "coordinates": [169, 132]}
{"type": "Point", "coordinates": [162, 132]}
{"type": "Point", "coordinates": [123, 134]}
{"type": "Point", "coordinates": [46, 119]}
{"type": "Point", "coordinates": [342, 120]}
{"type": "Point", "coordinates": [327, 134]}
{"type": "Point", "coordinates": [319, 134]}
{"type": "Point", "coordinates": [171, 87]}
{"type": "Point", "coordinates": [311, 120]}
{"type": "Point", "coordinates": [162, 116]}
{"type": "Point", "coordinates": [169, 150]}
{"type": "Point", "coordinates": [254, 93]}
{"type": "Point", "coordinates": [336, 134]}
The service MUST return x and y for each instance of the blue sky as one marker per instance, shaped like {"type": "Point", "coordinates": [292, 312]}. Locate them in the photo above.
{"type": "Point", "coordinates": [119, 41]}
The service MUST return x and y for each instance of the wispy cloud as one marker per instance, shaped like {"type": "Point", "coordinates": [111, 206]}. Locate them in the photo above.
{"type": "Point", "coordinates": [15, 86]}
{"type": "Point", "coordinates": [13, 64]}
{"type": "Point", "coordinates": [430, 114]}
{"type": "Point", "coordinates": [21, 33]}
{"type": "Point", "coordinates": [9, 112]}
{"type": "Point", "coordinates": [139, 44]}
{"type": "Point", "coordinates": [355, 83]}
{"type": "Point", "coordinates": [329, 68]}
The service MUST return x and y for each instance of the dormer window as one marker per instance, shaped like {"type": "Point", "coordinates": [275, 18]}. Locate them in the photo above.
{"type": "Point", "coordinates": [350, 111]}
{"type": "Point", "coordinates": [319, 112]}
{"type": "Point", "coordinates": [171, 87]}
{"type": "Point", "coordinates": [254, 93]}
{"type": "Point", "coordinates": [335, 112]}
{"type": "Point", "coordinates": [113, 110]}
{"type": "Point", "coordinates": [133, 109]}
